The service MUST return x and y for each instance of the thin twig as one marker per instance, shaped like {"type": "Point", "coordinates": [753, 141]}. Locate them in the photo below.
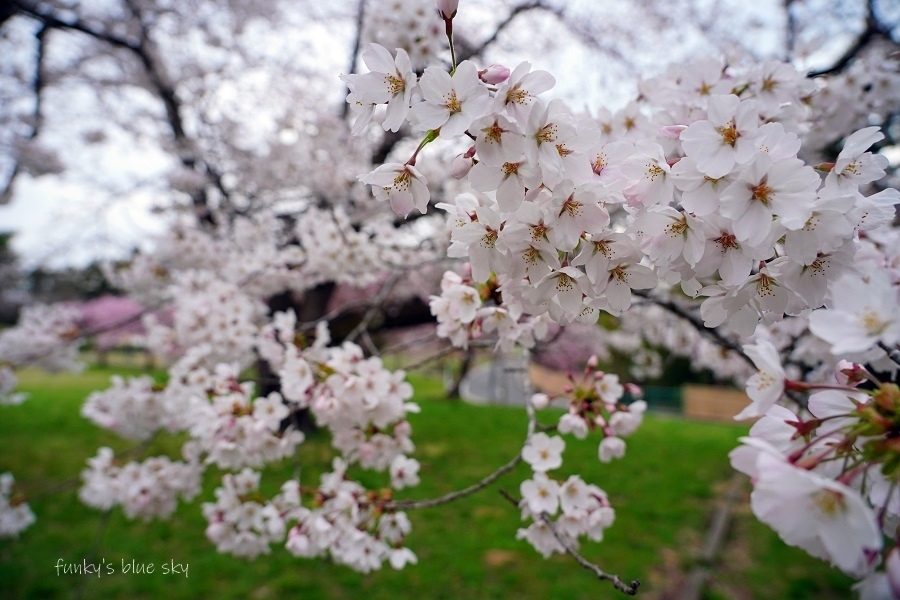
{"type": "Point", "coordinates": [446, 498]}
{"type": "Point", "coordinates": [874, 30]}
{"type": "Point", "coordinates": [714, 334]}
{"type": "Point", "coordinates": [467, 53]}
{"type": "Point", "coordinates": [374, 306]}
{"type": "Point", "coordinates": [61, 486]}
{"type": "Point", "coordinates": [421, 363]}
{"type": "Point", "coordinates": [629, 589]}
{"type": "Point", "coordinates": [480, 485]}
{"type": "Point", "coordinates": [401, 346]}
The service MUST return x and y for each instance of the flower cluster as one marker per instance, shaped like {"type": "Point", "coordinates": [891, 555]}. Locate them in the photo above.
{"type": "Point", "coordinates": [15, 514]}
{"type": "Point", "coordinates": [363, 404]}
{"type": "Point", "coordinates": [596, 404]}
{"type": "Point", "coordinates": [46, 337]}
{"type": "Point", "coordinates": [131, 408]}
{"type": "Point", "coordinates": [720, 189]}
{"type": "Point", "coordinates": [234, 432]}
{"type": "Point", "coordinates": [350, 525]}
{"type": "Point", "coordinates": [465, 313]}
{"type": "Point", "coordinates": [584, 509]}
{"type": "Point", "coordinates": [571, 223]}
{"type": "Point", "coordinates": [241, 522]}
{"type": "Point", "coordinates": [148, 489]}
{"type": "Point", "coordinates": [710, 189]}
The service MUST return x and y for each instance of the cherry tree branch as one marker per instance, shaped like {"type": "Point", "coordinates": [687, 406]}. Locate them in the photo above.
{"type": "Point", "coordinates": [374, 306]}
{"type": "Point", "coordinates": [357, 43]}
{"type": "Point", "coordinates": [422, 362]}
{"type": "Point", "coordinates": [713, 334]}
{"type": "Point", "coordinates": [37, 87]}
{"type": "Point", "coordinates": [480, 485]}
{"type": "Point", "coordinates": [893, 353]}
{"type": "Point", "coordinates": [466, 52]}
{"type": "Point", "coordinates": [404, 345]}
{"type": "Point", "coordinates": [790, 29]}
{"type": "Point", "coordinates": [142, 49]}
{"type": "Point", "coordinates": [629, 589]}
{"type": "Point", "coordinates": [467, 491]}
{"type": "Point", "coordinates": [875, 29]}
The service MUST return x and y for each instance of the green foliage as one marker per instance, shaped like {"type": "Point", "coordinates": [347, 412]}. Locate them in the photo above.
{"type": "Point", "coordinates": [664, 491]}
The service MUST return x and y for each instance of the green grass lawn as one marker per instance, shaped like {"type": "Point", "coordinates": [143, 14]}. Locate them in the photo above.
{"type": "Point", "coordinates": [664, 491]}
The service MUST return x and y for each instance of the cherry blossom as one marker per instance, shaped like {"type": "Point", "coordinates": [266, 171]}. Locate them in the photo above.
{"type": "Point", "coordinates": [452, 102]}
{"type": "Point", "coordinates": [861, 313]}
{"type": "Point", "coordinates": [611, 447]}
{"type": "Point", "coordinates": [724, 140]}
{"type": "Point", "coordinates": [542, 452]}
{"type": "Point", "coordinates": [520, 91]}
{"type": "Point", "coordinates": [402, 185]}
{"type": "Point", "coordinates": [767, 385]}
{"type": "Point", "coordinates": [825, 518]}
{"type": "Point", "coordinates": [390, 80]}
{"type": "Point", "coordinates": [854, 166]}
{"type": "Point", "coordinates": [15, 514]}
{"type": "Point", "coordinates": [540, 494]}
{"type": "Point", "coordinates": [783, 190]}
{"type": "Point", "coordinates": [706, 190]}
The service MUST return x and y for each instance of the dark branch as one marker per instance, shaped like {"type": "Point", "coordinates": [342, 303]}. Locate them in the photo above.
{"type": "Point", "coordinates": [38, 86]}
{"type": "Point", "coordinates": [466, 52]}
{"type": "Point", "coordinates": [893, 353]}
{"type": "Point", "coordinates": [713, 334]}
{"type": "Point", "coordinates": [480, 485]}
{"type": "Point", "coordinates": [351, 68]}
{"type": "Point", "coordinates": [875, 29]}
{"type": "Point", "coordinates": [629, 589]}
{"type": "Point", "coordinates": [142, 49]}
{"type": "Point", "coordinates": [790, 41]}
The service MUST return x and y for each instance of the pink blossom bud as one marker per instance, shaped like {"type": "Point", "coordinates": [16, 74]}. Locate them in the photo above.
{"type": "Point", "coordinates": [849, 373]}
{"type": "Point", "coordinates": [402, 429]}
{"type": "Point", "coordinates": [592, 362]}
{"type": "Point", "coordinates": [367, 451]}
{"type": "Point", "coordinates": [447, 8]}
{"type": "Point", "coordinates": [610, 448]}
{"type": "Point", "coordinates": [540, 401]}
{"type": "Point", "coordinates": [461, 166]}
{"type": "Point", "coordinates": [475, 329]}
{"type": "Point", "coordinates": [634, 389]}
{"type": "Point", "coordinates": [672, 131]}
{"type": "Point", "coordinates": [494, 74]}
